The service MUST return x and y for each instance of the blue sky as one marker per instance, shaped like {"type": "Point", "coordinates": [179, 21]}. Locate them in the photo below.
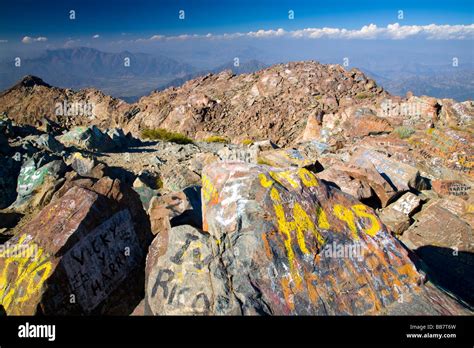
{"type": "Point", "coordinates": [141, 18]}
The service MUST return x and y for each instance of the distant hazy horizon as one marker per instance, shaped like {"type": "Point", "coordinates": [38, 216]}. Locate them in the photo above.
{"type": "Point", "coordinates": [423, 46]}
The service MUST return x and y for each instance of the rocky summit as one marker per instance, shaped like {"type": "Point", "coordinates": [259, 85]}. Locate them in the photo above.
{"type": "Point", "coordinates": [300, 189]}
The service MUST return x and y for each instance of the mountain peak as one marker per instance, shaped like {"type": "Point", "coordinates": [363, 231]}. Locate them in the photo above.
{"type": "Point", "coordinates": [31, 81]}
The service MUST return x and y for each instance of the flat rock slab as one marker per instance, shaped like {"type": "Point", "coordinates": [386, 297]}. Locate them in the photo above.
{"type": "Point", "coordinates": [401, 176]}
{"type": "Point", "coordinates": [431, 227]}
{"type": "Point", "coordinates": [444, 242]}
{"type": "Point", "coordinates": [284, 158]}
{"type": "Point", "coordinates": [452, 188]}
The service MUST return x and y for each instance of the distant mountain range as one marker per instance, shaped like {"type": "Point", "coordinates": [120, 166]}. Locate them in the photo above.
{"type": "Point", "coordinates": [88, 67]}
{"type": "Point", "coordinates": [433, 80]}
{"type": "Point", "coordinates": [84, 67]}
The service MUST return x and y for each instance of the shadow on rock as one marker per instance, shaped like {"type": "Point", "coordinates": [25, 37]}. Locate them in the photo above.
{"type": "Point", "coordinates": [452, 270]}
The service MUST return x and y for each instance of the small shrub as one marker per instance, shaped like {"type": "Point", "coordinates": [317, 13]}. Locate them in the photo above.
{"type": "Point", "coordinates": [165, 135]}
{"type": "Point", "coordinates": [159, 183]}
{"type": "Point", "coordinates": [247, 142]}
{"type": "Point", "coordinates": [404, 132]}
{"type": "Point", "coordinates": [216, 139]}
{"type": "Point", "coordinates": [362, 95]}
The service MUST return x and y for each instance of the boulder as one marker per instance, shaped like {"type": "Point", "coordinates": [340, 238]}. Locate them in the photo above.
{"type": "Point", "coordinates": [345, 183]}
{"type": "Point", "coordinates": [370, 177]}
{"type": "Point", "coordinates": [399, 175]}
{"type": "Point", "coordinates": [283, 158]}
{"type": "Point", "coordinates": [182, 279]}
{"type": "Point", "coordinates": [87, 138]}
{"type": "Point", "coordinates": [49, 143]}
{"type": "Point", "coordinates": [145, 192]}
{"type": "Point", "coordinates": [395, 221]}
{"type": "Point", "coordinates": [452, 188]}
{"type": "Point", "coordinates": [33, 175]}
{"type": "Point", "coordinates": [82, 254]}
{"type": "Point", "coordinates": [120, 139]}
{"type": "Point", "coordinates": [312, 131]}
{"type": "Point", "coordinates": [365, 122]}
{"type": "Point", "coordinates": [458, 114]}
{"type": "Point", "coordinates": [406, 204]}
{"type": "Point", "coordinates": [178, 177]}
{"type": "Point", "coordinates": [396, 216]}
{"type": "Point", "coordinates": [174, 209]}
{"type": "Point", "coordinates": [82, 165]}
{"type": "Point", "coordinates": [445, 243]}
{"type": "Point", "coordinates": [430, 228]}
{"type": "Point", "coordinates": [290, 244]}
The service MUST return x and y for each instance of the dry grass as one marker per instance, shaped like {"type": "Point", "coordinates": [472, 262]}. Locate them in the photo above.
{"type": "Point", "coordinates": [165, 135]}
{"type": "Point", "coordinates": [217, 139]}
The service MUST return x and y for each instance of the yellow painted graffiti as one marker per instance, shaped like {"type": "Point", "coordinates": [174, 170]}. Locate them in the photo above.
{"type": "Point", "coordinates": [307, 178]}
{"type": "Point", "coordinates": [346, 215]}
{"type": "Point", "coordinates": [301, 224]}
{"type": "Point", "coordinates": [32, 269]}
{"type": "Point", "coordinates": [264, 181]}
{"type": "Point", "coordinates": [209, 192]}
{"type": "Point", "coordinates": [361, 211]}
{"type": "Point", "coordinates": [278, 176]}
{"type": "Point", "coordinates": [322, 218]}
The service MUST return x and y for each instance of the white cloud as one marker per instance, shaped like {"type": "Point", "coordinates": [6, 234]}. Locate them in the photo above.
{"type": "Point", "coordinates": [267, 33]}
{"type": "Point", "coordinates": [29, 39]}
{"type": "Point", "coordinates": [96, 36]}
{"type": "Point", "coordinates": [393, 31]}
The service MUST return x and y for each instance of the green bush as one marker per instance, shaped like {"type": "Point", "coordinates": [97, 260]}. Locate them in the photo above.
{"type": "Point", "coordinates": [247, 142]}
{"type": "Point", "coordinates": [216, 139]}
{"type": "Point", "coordinates": [404, 132]}
{"type": "Point", "coordinates": [159, 183]}
{"type": "Point", "coordinates": [362, 95]}
{"type": "Point", "coordinates": [165, 135]}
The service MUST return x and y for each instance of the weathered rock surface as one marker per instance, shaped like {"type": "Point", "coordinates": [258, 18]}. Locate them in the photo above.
{"type": "Point", "coordinates": [400, 176]}
{"type": "Point", "coordinates": [174, 209]}
{"type": "Point", "coordinates": [82, 254]}
{"type": "Point", "coordinates": [39, 99]}
{"type": "Point", "coordinates": [88, 138]}
{"type": "Point", "coordinates": [272, 233]}
{"type": "Point", "coordinates": [33, 175]}
{"type": "Point", "coordinates": [182, 279]}
{"type": "Point", "coordinates": [281, 242]}
{"type": "Point", "coordinates": [444, 242]}
{"type": "Point", "coordinates": [256, 106]}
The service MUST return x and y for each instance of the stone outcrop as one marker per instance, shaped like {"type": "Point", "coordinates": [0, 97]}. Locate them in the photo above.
{"type": "Point", "coordinates": [81, 254]}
